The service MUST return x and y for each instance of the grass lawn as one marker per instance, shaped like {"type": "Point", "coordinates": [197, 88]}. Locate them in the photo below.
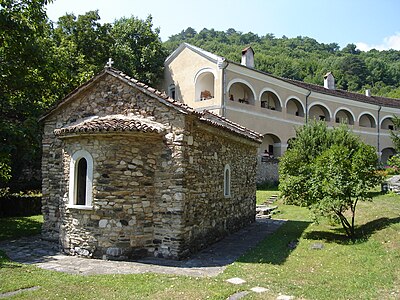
{"type": "Point", "coordinates": [264, 194]}
{"type": "Point", "coordinates": [368, 269]}
{"type": "Point", "coordinates": [21, 226]}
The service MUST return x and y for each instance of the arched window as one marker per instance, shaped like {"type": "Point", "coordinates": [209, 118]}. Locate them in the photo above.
{"type": "Point", "coordinates": [366, 120]}
{"type": "Point", "coordinates": [344, 116]}
{"type": "Point", "coordinates": [319, 112]}
{"type": "Point", "coordinates": [294, 107]}
{"type": "Point", "coordinates": [204, 89]}
{"type": "Point", "coordinates": [270, 100]}
{"type": "Point", "coordinates": [81, 174]}
{"type": "Point", "coordinates": [241, 91]}
{"type": "Point", "coordinates": [227, 181]}
{"type": "Point", "coordinates": [80, 180]}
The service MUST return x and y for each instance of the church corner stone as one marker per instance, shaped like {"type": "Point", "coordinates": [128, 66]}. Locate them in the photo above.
{"type": "Point", "coordinates": [153, 193]}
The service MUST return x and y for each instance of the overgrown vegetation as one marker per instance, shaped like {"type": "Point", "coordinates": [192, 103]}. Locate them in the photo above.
{"type": "Point", "coordinates": [367, 269]}
{"type": "Point", "coordinates": [329, 171]}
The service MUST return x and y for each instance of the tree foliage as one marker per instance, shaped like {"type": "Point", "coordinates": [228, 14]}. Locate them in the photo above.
{"type": "Point", "coordinates": [329, 171]}
{"type": "Point", "coordinates": [41, 62]}
{"type": "Point", "coordinates": [138, 49]}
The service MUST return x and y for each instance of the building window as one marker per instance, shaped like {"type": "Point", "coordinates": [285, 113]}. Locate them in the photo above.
{"type": "Point", "coordinates": [81, 180]}
{"type": "Point", "coordinates": [227, 181]}
{"type": "Point", "coordinates": [171, 91]}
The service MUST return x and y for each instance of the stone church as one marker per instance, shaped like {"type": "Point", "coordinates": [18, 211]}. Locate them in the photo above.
{"type": "Point", "coordinates": [129, 172]}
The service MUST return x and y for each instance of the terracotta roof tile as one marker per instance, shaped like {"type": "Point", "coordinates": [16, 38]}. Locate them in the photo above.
{"type": "Point", "coordinates": [110, 124]}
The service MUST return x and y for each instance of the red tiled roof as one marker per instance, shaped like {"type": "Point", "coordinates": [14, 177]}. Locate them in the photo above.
{"type": "Point", "coordinates": [381, 101]}
{"type": "Point", "coordinates": [112, 124]}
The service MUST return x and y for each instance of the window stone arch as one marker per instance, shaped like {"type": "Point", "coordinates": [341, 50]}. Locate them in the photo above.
{"type": "Point", "coordinates": [227, 181]}
{"type": "Point", "coordinates": [81, 180]}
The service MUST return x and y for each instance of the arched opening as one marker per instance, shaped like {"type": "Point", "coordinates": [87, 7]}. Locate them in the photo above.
{"type": "Point", "coordinates": [271, 146]}
{"type": "Point", "coordinates": [387, 123]}
{"type": "Point", "coordinates": [344, 117]}
{"type": "Point", "coordinates": [227, 181]}
{"type": "Point", "coordinates": [294, 107]}
{"type": "Point", "coordinates": [270, 100]}
{"type": "Point", "coordinates": [386, 154]}
{"type": "Point", "coordinates": [367, 120]}
{"type": "Point", "coordinates": [81, 179]}
{"type": "Point", "coordinates": [81, 182]}
{"type": "Point", "coordinates": [240, 92]}
{"type": "Point", "coordinates": [319, 112]}
{"type": "Point", "coordinates": [205, 86]}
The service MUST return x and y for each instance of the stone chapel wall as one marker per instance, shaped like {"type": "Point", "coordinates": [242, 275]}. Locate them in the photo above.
{"type": "Point", "coordinates": [209, 215]}
{"type": "Point", "coordinates": [161, 235]}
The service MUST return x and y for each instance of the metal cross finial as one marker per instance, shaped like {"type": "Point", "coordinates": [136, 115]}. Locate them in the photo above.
{"type": "Point", "coordinates": [109, 63]}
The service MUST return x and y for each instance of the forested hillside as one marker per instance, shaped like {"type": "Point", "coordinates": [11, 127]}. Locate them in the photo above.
{"type": "Point", "coordinates": [304, 59]}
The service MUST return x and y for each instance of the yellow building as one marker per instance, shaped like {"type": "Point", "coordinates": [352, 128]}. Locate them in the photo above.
{"type": "Point", "coordinates": [271, 105]}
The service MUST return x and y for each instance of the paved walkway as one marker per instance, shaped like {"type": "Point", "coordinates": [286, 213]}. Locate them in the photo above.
{"type": "Point", "coordinates": [209, 262]}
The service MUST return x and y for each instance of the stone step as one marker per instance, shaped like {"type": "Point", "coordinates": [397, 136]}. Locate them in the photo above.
{"type": "Point", "coordinates": [265, 209]}
{"type": "Point", "coordinates": [271, 199]}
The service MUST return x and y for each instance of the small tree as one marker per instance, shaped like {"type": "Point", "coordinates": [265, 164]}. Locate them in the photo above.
{"type": "Point", "coordinates": [329, 171]}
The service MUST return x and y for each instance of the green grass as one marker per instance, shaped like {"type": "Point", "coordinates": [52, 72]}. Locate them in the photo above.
{"type": "Point", "coordinates": [21, 226]}
{"type": "Point", "coordinates": [264, 194]}
{"type": "Point", "coordinates": [367, 269]}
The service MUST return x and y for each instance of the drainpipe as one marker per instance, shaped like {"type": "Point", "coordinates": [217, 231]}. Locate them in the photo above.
{"type": "Point", "coordinates": [309, 93]}
{"type": "Point", "coordinates": [225, 65]}
{"type": "Point", "coordinates": [379, 131]}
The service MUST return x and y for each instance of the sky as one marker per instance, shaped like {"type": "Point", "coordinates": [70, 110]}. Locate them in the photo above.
{"type": "Point", "coordinates": [366, 23]}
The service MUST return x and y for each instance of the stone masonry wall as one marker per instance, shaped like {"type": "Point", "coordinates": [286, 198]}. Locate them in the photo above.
{"type": "Point", "coordinates": [112, 96]}
{"type": "Point", "coordinates": [209, 215]}
{"type": "Point", "coordinates": [267, 171]}
{"type": "Point", "coordinates": [120, 225]}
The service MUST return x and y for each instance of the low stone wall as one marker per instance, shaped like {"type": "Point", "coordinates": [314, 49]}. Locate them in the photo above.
{"type": "Point", "coordinates": [267, 171]}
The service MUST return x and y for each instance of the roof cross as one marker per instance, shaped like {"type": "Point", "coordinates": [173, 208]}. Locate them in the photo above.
{"type": "Point", "coordinates": [109, 63]}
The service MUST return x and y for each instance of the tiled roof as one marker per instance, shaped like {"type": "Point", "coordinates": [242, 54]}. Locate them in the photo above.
{"type": "Point", "coordinates": [381, 101]}
{"type": "Point", "coordinates": [110, 124]}
{"type": "Point", "coordinates": [206, 116]}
